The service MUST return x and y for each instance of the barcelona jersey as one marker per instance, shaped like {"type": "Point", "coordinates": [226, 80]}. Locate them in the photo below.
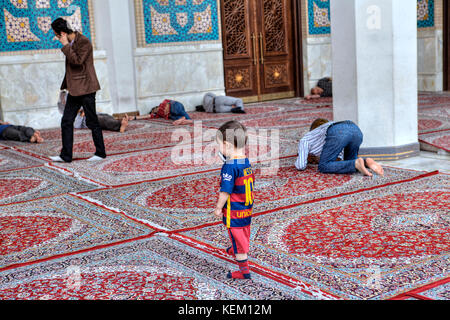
{"type": "Point", "coordinates": [237, 179]}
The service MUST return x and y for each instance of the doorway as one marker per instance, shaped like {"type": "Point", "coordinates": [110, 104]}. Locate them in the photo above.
{"type": "Point", "coordinates": [262, 49]}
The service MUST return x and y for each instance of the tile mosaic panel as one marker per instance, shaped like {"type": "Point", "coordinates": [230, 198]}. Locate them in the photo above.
{"type": "Point", "coordinates": [25, 24]}
{"type": "Point", "coordinates": [168, 21]}
{"type": "Point", "coordinates": [319, 16]}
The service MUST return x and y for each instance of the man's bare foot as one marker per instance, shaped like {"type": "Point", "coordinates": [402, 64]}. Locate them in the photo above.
{"type": "Point", "coordinates": [359, 165]}
{"type": "Point", "coordinates": [186, 121]}
{"type": "Point", "coordinates": [179, 121]}
{"type": "Point", "coordinates": [38, 136]}
{"type": "Point", "coordinates": [124, 124]}
{"type": "Point", "coordinates": [377, 168]}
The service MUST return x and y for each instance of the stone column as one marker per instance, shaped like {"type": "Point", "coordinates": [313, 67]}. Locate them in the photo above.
{"type": "Point", "coordinates": [374, 56]}
{"type": "Point", "coordinates": [116, 33]}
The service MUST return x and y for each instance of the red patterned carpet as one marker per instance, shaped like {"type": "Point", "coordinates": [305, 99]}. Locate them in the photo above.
{"type": "Point", "coordinates": [139, 225]}
{"type": "Point", "coordinates": [434, 122]}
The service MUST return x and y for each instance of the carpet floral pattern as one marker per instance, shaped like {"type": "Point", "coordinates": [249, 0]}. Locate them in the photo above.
{"type": "Point", "coordinates": [360, 246]}
{"type": "Point", "coordinates": [139, 225]}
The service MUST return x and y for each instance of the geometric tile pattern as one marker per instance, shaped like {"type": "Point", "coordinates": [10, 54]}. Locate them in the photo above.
{"type": "Point", "coordinates": [168, 21]}
{"type": "Point", "coordinates": [26, 24]}
{"type": "Point", "coordinates": [425, 13]}
{"type": "Point", "coordinates": [319, 15]}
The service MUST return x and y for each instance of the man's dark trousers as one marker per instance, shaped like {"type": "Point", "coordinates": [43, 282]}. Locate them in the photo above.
{"type": "Point", "coordinates": [345, 136]}
{"type": "Point", "coordinates": [73, 105]}
{"type": "Point", "coordinates": [18, 133]}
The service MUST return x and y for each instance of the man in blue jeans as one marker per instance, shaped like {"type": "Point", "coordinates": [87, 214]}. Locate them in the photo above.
{"type": "Point", "coordinates": [178, 113]}
{"type": "Point", "coordinates": [335, 146]}
{"type": "Point", "coordinates": [170, 109]}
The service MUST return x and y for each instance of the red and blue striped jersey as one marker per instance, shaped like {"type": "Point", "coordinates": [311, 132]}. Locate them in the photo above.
{"type": "Point", "coordinates": [237, 179]}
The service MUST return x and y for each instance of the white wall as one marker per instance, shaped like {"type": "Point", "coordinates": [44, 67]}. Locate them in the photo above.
{"type": "Point", "coordinates": [30, 86]}
{"type": "Point", "coordinates": [430, 59]}
{"type": "Point", "coordinates": [317, 60]}
{"type": "Point", "coordinates": [183, 73]}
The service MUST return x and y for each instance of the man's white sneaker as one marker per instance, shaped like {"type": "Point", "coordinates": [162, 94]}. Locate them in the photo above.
{"type": "Point", "coordinates": [95, 158]}
{"type": "Point", "coordinates": [56, 159]}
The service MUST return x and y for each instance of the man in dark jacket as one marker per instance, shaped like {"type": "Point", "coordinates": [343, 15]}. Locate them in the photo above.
{"type": "Point", "coordinates": [82, 84]}
{"type": "Point", "coordinates": [19, 133]}
{"type": "Point", "coordinates": [323, 89]}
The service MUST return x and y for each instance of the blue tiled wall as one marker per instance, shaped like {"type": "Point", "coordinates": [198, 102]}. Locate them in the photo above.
{"type": "Point", "coordinates": [162, 20]}
{"type": "Point", "coordinates": [42, 40]}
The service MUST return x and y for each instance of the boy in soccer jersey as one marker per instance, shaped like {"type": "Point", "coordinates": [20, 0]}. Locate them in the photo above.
{"type": "Point", "coordinates": [235, 201]}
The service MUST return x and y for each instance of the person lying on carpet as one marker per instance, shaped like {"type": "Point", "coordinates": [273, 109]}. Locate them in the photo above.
{"type": "Point", "coordinates": [326, 141]}
{"type": "Point", "coordinates": [221, 104]}
{"type": "Point", "coordinates": [235, 203]}
{"type": "Point", "coordinates": [324, 88]}
{"type": "Point", "coordinates": [106, 121]}
{"type": "Point", "coordinates": [19, 133]}
{"type": "Point", "coordinates": [171, 109]}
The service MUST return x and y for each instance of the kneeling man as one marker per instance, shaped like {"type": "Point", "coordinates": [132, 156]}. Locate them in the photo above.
{"type": "Point", "coordinates": [335, 146]}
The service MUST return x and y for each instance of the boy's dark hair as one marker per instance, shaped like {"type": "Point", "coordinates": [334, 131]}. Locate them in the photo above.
{"type": "Point", "coordinates": [61, 25]}
{"type": "Point", "coordinates": [317, 123]}
{"type": "Point", "coordinates": [234, 133]}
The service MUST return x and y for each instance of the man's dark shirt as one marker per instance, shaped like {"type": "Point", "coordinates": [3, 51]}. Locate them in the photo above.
{"type": "Point", "coordinates": [327, 86]}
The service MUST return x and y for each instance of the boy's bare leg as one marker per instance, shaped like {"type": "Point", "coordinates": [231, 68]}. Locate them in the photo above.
{"type": "Point", "coordinates": [377, 168]}
{"type": "Point", "coordinates": [359, 165]}
{"type": "Point", "coordinates": [241, 256]}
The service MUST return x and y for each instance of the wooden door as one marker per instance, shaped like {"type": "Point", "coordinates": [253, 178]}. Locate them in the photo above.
{"type": "Point", "coordinates": [258, 49]}
{"type": "Point", "coordinates": [276, 58]}
{"type": "Point", "coordinates": [239, 48]}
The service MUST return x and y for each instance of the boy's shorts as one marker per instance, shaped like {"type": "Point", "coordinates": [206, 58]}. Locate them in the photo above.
{"type": "Point", "coordinates": [240, 239]}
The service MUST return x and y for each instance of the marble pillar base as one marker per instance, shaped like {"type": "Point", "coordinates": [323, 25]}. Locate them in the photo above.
{"type": "Point", "coordinates": [391, 153]}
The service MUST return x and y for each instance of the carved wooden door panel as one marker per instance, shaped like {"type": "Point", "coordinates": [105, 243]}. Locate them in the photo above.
{"type": "Point", "coordinates": [257, 42]}
{"type": "Point", "coordinates": [239, 48]}
{"type": "Point", "coordinates": [276, 57]}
